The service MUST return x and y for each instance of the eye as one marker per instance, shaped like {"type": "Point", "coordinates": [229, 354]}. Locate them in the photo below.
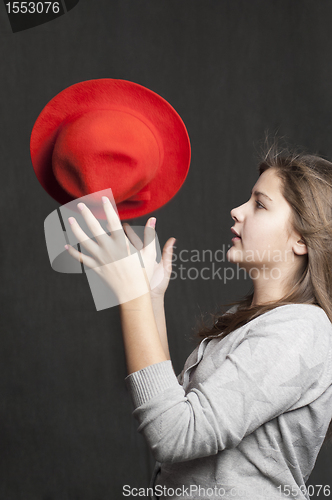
{"type": "Point", "coordinates": [258, 204]}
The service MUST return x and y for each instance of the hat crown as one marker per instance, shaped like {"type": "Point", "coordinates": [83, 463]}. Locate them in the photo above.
{"type": "Point", "coordinates": [106, 149]}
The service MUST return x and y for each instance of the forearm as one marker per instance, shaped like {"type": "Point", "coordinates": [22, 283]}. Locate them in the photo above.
{"type": "Point", "coordinates": [142, 342]}
{"type": "Point", "coordinates": [159, 314]}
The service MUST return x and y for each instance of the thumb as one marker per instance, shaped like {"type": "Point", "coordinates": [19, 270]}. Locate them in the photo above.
{"type": "Point", "coordinates": [168, 255]}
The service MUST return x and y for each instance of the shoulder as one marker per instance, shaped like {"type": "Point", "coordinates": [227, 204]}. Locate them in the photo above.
{"type": "Point", "coordinates": [295, 313]}
{"type": "Point", "coordinates": [295, 323]}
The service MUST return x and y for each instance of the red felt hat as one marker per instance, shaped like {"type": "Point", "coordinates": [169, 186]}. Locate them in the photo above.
{"type": "Point", "coordinates": [109, 133]}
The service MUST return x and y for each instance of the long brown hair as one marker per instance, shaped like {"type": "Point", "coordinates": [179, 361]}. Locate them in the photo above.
{"type": "Point", "coordinates": [306, 184]}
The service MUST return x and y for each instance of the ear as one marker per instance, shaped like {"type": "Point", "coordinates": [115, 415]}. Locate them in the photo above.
{"type": "Point", "coordinates": [299, 247]}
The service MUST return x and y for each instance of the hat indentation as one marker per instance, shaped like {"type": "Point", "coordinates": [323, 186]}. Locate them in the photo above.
{"type": "Point", "coordinates": [105, 149]}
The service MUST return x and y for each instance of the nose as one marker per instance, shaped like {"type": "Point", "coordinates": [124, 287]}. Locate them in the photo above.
{"type": "Point", "coordinates": [237, 213]}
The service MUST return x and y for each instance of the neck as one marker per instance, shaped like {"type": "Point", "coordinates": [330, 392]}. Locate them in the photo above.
{"type": "Point", "coordinates": [267, 289]}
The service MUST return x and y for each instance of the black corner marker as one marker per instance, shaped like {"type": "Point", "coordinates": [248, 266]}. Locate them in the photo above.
{"type": "Point", "coordinates": [24, 15]}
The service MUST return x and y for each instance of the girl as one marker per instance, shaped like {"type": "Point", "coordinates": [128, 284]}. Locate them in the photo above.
{"type": "Point", "coordinates": [249, 412]}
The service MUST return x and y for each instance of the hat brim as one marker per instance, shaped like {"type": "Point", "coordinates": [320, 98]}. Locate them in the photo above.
{"type": "Point", "coordinates": [114, 94]}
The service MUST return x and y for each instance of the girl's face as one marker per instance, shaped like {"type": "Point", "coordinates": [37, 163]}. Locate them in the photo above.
{"type": "Point", "coordinates": [263, 223]}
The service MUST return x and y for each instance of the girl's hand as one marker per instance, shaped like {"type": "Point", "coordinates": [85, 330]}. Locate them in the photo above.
{"type": "Point", "coordinates": [158, 273]}
{"type": "Point", "coordinates": [112, 257]}
{"type": "Point", "coordinates": [163, 270]}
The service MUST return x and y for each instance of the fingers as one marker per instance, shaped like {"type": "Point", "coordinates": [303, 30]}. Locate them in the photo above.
{"type": "Point", "coordinates": [113, 220]}
{"type": "Point", "coordinates": [92, 223]}
{"type": "Point", "coordinates": [80, 235]}
{"type": "Point", "coordinates": [168, 255]}
{"type": "Point", "coordinates": [149, 231]}
{"type": "Point", "coordinates": [133, 237]}
{"type": "Point", "coordinates": [85, 259]}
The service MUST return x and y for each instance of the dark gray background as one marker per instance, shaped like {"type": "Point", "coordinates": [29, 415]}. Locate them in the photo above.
{"type": "Point", "coordinates": [232, 69]}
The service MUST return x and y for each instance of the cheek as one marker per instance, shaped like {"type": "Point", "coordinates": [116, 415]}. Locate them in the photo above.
{"type": "Point", "coordinates": [257, 233]}
{"type": "Point", "coordinates": [265, 233]}
{"type": "Point", "coordinates": [275, 237]}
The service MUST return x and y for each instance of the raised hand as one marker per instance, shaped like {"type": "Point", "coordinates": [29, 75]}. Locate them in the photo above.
{"type": "Point", "coordinates": [112, 257]}
{"type": "Point", "coordinates": [158, 273]}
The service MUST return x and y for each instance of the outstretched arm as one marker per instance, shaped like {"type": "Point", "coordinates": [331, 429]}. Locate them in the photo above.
{"type": "Point", "coordinates": [142, 317]}
{"type": "Point", "coordinates": [164, 268]}
{"type": "Point", "coordinates": [142, 342]}
{"type": "Point", "coordinates": [159, 315]}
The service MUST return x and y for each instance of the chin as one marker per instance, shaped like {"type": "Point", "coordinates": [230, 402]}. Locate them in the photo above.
{"type": "Point", "coordinates": [234, 255]}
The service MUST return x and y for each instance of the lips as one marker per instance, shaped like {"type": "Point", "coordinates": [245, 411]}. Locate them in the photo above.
{"type": "Point", "coordinates": [236, 233]}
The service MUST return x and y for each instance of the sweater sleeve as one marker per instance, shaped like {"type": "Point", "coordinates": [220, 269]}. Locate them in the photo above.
{"type": "Point", "coordinates": [282, 363]}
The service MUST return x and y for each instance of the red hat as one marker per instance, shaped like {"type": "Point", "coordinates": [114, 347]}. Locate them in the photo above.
{"type": "Point", "coordinates": [116, 134]}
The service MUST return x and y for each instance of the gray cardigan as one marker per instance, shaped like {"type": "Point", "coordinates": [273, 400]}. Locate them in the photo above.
{"type": "Point", "coordinates": [248, 414]}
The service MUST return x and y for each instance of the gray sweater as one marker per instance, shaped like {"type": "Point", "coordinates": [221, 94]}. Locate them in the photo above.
{"type": "Point", "coordinates": [248, 414]}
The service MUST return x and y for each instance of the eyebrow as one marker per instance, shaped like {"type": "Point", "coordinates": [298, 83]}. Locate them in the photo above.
{"type": "Point", "coordinates": [256, 193]}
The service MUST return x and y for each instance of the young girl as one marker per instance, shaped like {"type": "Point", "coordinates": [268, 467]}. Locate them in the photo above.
{"type": "Point", "coordinates": [249, 412]}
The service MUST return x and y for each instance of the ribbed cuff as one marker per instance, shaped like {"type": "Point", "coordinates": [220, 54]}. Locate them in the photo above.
{"type": "Point", "coordinates": [150, 381]}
